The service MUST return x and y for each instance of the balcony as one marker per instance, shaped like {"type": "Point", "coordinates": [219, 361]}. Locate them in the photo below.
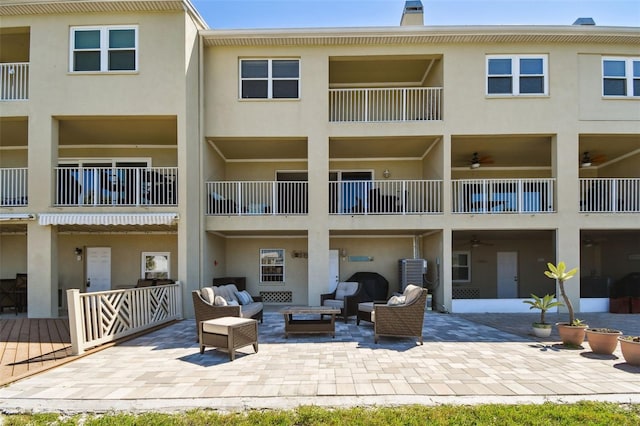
{"type": "Point", "coordinates": [14, 81]}
{"type": "Point", "coordinates": [116, 186]}
{"type": "Point", "coordinates": [385, 105]}
{"type": "Point", "coordinates": [13, 187]}
{"type": "Point", "coordinates": [390, 197]}
{"type": "Point", "coordinates": [498, 196]}
{"type": "Point", "coordinates": [257, 198]}
{"type": "Point", "coordinates": [610, 195]}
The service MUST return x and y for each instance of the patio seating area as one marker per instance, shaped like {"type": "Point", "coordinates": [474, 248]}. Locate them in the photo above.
{"type": "Point", "coordinates": [461, 361]}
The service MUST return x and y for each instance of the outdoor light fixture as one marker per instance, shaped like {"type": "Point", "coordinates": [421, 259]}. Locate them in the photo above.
{"type": "Point", "coordinates": [343, 253]}
{"type": "Point", "coordinates": [386, 174]}
{"type": "Point", "coordinates": [78, 253]}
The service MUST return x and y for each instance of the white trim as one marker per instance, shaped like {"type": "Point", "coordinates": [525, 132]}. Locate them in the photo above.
{"type": "Point", "coordinates": [107, 218]}
{"type": "Point", "coordinates": [104, 48]}
{"type": "Point", "coordinates": [269, 78]}
{"type": "Point", "coordinates": [143, 262]}
{"type": "Point", "coordinates": [116, 146]}
{"type": "Point", "coordinates": [10, 217]}
{"type": "Point", "coordinates": [628, 76]}
{"type": "Point", "coordinates": [516, 75]}
{"type": "Point", "coordinates": [485, 168]}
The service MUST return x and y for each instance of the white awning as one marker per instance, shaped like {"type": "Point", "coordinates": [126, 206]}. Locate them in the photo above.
{"type": "Point", "coordinates": [10, 217]}
{"type": "Point", "coordinates": [107, 218]}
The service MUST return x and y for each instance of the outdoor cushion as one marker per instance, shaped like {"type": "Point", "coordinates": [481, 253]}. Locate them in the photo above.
{"type": "Point", "coordinates": [227, 291]}
{"type": "Point", "coordinates": [411, 293]}
{"type": "Point", "coordinates": [208, 295]}
{"type": "Point", "coordinates": [397, 300]}
{"type": "Point", "coordinates": [220, 301]}
{"type": "Point", "coordinates": [346, 288]}
{"type": "Point", "coordinates": [332, 303]}
{"type": "Point", "coordinates": [221, 325]}
{"type": "Point", "coordinates": [251, 309]}
{"type": "Point", "coordinates": [244, 297]}
{"type": "Point", "coordinates": [365, 306]}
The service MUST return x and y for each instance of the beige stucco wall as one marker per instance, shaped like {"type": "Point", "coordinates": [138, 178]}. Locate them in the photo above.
{"type": "Point", "coordinates": [13, 255]}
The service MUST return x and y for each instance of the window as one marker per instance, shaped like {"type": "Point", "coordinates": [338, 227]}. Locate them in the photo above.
{"type": "Point", "coordinates": [621, 76]}
{"type": "Point", "coordinates": [271, 265]}
{"type": "Point", "coordinates": [461, 266]}
{"type": "Point", "coordinates": [156, 265]}
{"type": "Point", "coordinates": [104, 49]}
{"type": "Point", "coordinates": [270, 78]}
{"type": "Point", "coordinates": [518, 75]}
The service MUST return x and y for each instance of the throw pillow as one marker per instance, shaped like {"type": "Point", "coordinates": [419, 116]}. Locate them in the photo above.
{"type": "Point", "coordinates": [244, 297]}
{"type": "Point", "coordinates": [220, 301]}
{"type": "Point", "coordinates": [396, 300]}
{"type": "Point", "coordinates": [207, 295]}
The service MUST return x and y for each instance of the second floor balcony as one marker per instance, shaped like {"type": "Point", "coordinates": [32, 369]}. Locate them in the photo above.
{"type": "Point", "coordinates": [13, 187]}
{"type": "Point", "coordinates": [610, 195]}
{"type": "Point", "coordinates": [235, 198]}
{"type": "Point", "coordinates": [116, 186]}
{"type": "Point", "coordinates": [14, 81]}
{"type": "Point", "coordinates": [372, 105]}
{"type": "Point", "coordinates": [496, 196]}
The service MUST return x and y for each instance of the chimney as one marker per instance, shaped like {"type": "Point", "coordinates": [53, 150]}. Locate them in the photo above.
{"type": "Point", "coordinates": [413, 13]}
{"type": "Point", "coordinates": [584, 21]}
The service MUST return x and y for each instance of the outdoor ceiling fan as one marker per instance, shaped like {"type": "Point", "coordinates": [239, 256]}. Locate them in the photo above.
{"type": "Point", "coordinates": [475, 242]}
{"type": "Point", "coordinates": [588, 160]}
{"type": "Point", "coordinates": [476, 160]}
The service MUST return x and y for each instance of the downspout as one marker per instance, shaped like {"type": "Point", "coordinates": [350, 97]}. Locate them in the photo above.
{"type": "Point", "coordinates": [200, 149]}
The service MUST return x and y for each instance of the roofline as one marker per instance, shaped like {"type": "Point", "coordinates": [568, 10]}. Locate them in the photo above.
{"type": "Point", "coordinates": [426, 34]}
{"type": "Point", "coordinates": [48, 7]}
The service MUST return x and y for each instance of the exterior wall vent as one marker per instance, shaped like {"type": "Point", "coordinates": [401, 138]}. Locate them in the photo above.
{"type": "Point", "coordinates": [413, 13]}
{"type": "Point", "coordinates": [584, 21]}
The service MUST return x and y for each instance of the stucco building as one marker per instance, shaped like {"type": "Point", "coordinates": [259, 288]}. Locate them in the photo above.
{"type": "Point", "coordinates": [135, 141]}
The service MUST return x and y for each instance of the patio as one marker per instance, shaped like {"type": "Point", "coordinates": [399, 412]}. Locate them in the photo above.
{"type": "Point", "coordinates": [461, 361]}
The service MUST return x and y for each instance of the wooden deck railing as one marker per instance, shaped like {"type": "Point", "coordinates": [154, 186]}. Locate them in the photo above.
{"type": "Point", "coordinates": [101, 317]}
{"type": "Point", "coordinates": [385, 105]}
{"type": "Point", "coordinates": [14, 81]}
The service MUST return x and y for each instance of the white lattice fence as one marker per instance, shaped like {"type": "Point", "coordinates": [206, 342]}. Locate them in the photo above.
{"type": "Point", "coordinates": [101, 317]}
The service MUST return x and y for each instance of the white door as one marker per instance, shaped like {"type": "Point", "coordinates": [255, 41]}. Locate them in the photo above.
{"type": "Point", "coordinates": [334, 270]}
{"type": "Point", "coordinates": [98, 269]}
{"type": "Point", "coordinates": [507, 275]}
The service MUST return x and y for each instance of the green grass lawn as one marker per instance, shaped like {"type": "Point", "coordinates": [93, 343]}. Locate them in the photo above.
{"type": "Point", "coordinates": [583, 413]}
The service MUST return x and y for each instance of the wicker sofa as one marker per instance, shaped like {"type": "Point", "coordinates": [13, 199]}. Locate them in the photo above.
{"type": "Point", "coordinates": [205, 308]}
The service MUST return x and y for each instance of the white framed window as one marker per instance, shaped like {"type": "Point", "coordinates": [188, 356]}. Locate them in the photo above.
{"type": "Point", "coordinates": [103, 49]}
{"type": "Point", "coordinates": [272, 266]}
{"type": "Point", "coordinates": [461, 266]}
{"type": "Point", "coordinates": [156, 265]}
{"type": "Point", "coordinates": [517, 75]}
{"type": "Point", "coordinates": [621, 77]}
{"type": "Point", "coordinates": [270, 78]}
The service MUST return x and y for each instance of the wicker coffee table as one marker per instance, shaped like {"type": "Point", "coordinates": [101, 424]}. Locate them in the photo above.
{"type": "Point", "coordinates": [306, 325]}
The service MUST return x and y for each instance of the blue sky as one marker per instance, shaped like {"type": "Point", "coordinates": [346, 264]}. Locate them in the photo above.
{"type": "Point", "coordinates": [227, 14]}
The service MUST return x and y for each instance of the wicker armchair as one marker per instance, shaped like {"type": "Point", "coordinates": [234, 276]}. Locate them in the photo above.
{"type": "Point", "coordinates": [204, 311]}
{"type": "Point", "coordinates": [401, 320]}
{"type": "Point", "coordinates": [345, 297]}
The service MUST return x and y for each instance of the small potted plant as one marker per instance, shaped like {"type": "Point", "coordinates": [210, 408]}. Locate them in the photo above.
{"type": "Point", "coordinates": [572, 333]}
{"type": "Point", "coordinates": [542, 328]}
{"type": "Point", "coordinates": [630, 346]}
{"type": "Point", "coordinates": [603, 340]}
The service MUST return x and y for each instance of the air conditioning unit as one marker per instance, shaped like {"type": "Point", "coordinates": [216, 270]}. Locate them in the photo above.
{"type": "Point", "coordinates": [411, 272]}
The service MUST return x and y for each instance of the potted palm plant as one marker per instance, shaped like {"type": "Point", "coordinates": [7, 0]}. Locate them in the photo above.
{"type": "Point", "coordinates": [542, 328]}
{"type": "Point", "coordinates": [572, 333]}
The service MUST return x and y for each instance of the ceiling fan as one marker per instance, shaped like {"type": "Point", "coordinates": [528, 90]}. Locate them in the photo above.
{"type": "Point", "coordinates": [588, 160]}
{"type": "Point", "coordinates": [590, 242]}
{"type": "Point", "coordinates": [475, 242]}
{"type": "Point", "coordinates": [476, 160]}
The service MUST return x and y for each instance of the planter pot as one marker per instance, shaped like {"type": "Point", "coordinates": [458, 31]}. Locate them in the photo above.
{"type": "Point", "coordinates": [541, 329]}
{"type": "Point", "coordinates": [571, 335]}
{"type": "Point", "coordinates": [603, 340]}
{"type": "Point", "coordinates": [630, 350]}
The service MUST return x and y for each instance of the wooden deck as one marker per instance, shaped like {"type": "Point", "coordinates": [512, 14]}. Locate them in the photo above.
{"type": "Point", "coordinates": [28, 346]}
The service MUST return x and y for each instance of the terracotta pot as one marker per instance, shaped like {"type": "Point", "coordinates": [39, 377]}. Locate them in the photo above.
{"type": "Point", "coordinates": [571, 335]}
{"type": "Point", "coordinates": [630, 350]}
{"type": "Point", "coordinates": [541, 329]}
{"type": "Point", "coordinates": [603, 340]}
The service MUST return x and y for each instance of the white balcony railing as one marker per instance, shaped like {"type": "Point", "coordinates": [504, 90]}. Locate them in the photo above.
{"type": "Point", "coordinates": [101, 317]}
{"type": "Point", "coordinates": [396, 197]}
{"type": "Point", "coordinates": [503, 195]}
{"type": "Point", "coordinates": [610, 195]}
{"type": "Point", "coordinates": [13, 187]}
{"type": "Point", "coordinates": [380, 105]}
{"type": "Point", "coordinates": [116, 186]}
{"type": "Point", "coordinates": [14, 81]}
{"type": "Point", "coordinates": [257, 198]}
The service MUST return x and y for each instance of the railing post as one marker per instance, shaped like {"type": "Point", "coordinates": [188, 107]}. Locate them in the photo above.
{"type": "Point", "coordinates": [179, 300]}
{"type": "Point", "coordinates": [75, 321]}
